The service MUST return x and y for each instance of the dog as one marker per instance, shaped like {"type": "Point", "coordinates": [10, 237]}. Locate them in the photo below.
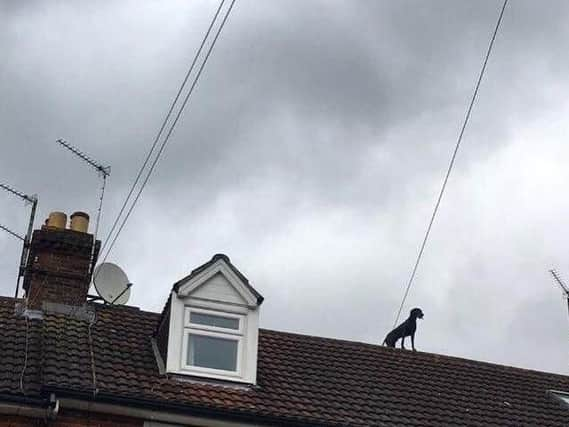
{"type": "Point", "coordinates": [407, 328]}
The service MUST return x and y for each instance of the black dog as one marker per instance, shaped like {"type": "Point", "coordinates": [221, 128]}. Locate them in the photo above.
{"type": "Point", "coordinates": [405, 329]}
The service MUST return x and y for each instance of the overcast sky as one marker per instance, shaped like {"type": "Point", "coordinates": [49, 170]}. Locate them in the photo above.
{"type": "Point", "coordinates": [311, 153]}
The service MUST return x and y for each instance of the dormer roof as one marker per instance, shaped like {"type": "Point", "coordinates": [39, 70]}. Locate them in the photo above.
{"type": "Point", "coordinates": [218, 263]}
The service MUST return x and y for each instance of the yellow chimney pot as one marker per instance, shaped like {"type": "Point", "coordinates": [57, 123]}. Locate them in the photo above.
{"type": "Point", "coordinates": [57, 220]}
{"type": "Point", "coordinates": [79, 222]}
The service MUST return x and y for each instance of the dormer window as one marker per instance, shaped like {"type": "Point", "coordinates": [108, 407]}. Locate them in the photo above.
{"type": "Point", "coordinates": [211, 324]}
{"type": "Point", "coordinates": [561, 396]}
{"type": "Point", "coordinates": [213, 341]}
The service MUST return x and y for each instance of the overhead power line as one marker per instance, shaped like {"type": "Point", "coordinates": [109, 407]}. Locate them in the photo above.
{"type": "Point", "coordinates": [163, 126]}
{"type": "Point", "coordinates": [109, 246]}
{"type": "Point", "coordinates": [451, 164]}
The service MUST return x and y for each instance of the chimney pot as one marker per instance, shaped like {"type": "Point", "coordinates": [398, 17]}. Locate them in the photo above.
{"type": "Point", "coordinates": [79, 222]}
{"type": "Point", "coordinates": [57, 220]}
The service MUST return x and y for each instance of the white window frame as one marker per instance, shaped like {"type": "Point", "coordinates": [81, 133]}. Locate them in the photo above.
{"type": "Point", "coordinates": [189, 324]}
{"type": "Point", "coordinates": [561, 396]}
{"type": "Point", "coordinates": [238, 335]}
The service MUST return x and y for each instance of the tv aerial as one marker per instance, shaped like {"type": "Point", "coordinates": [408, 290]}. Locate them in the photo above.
{"type": "Point", "coordinates": [111, 283]}
{"type": "Point", "coordinates": [561, 284]}
{"type": "Point", "coordinates": [26, 239]}
{"type": "Point", "coordinates": [103, 172]}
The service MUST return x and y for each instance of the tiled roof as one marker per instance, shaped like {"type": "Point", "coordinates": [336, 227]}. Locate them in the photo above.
{"type": "Point", "coordinates": [302, 380]}
{"type": "Point", "coordinates": [13, 359]}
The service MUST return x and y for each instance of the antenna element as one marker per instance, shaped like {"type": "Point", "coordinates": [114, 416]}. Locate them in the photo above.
{"type": "Point", "coordinates": [104, 172]}
{"type": "Point", "coordinates": [12, 233]}
{"type": "Point", "coordinates": [33, 200]}
{"type": "Point", "coordinates": [562, 284]}
{"type": "Point", "coordinates": [15, 192]}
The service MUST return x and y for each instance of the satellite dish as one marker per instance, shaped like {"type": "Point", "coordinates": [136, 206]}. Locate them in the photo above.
{"type": "Point", "coordinates": [111, 283]}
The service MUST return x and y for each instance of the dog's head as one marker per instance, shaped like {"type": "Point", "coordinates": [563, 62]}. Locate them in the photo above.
{"type": "Point", "coordinates": [417, 313]}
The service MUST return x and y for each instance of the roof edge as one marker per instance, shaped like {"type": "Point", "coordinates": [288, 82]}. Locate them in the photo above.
{"type": "Point", "coordinates": [180, 409]}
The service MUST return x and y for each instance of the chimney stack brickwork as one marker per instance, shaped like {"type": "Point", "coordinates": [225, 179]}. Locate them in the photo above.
{"type": "Point", "coordinates": [59, 266]}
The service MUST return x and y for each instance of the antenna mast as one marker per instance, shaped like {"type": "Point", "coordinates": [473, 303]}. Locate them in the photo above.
{"type": "Point", "coordinates": [103, 172]}
{"type": "Point", "coordinates": [561, 284]}
{"type": "Point", "coordinates": [33, 201]}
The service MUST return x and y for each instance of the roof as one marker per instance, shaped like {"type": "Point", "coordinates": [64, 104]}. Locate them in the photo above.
{"type": "Point", "coordinates": [13, 345]}
{"type": "Point", "coordinates": [302, 380]}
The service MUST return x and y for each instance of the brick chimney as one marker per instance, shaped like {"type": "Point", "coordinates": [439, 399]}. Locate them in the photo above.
{"type": "Point", "coordinates": [59, 262]}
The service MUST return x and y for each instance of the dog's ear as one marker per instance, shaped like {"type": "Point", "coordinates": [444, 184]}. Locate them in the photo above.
{"type": "Point", "coordinates": [417, 312]}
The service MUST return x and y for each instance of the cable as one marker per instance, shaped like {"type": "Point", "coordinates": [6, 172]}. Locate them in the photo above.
{"type": "Point", "coordinates": [449, 170]}
{"type": "Point", "coordinates": [92, 353]}
{"type": "Point", "coordinates": [170, 130]}
{"type": "Point", "coordinates": [23, 372]}
{"type": "Point", "coordinates": [163, 126]}
{"type": "Point", "coordinates": [31, 303]}
{"type": "Point", "coordinates": [99, 210]}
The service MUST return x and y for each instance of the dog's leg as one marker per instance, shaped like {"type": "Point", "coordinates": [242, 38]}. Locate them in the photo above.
{"type": "Point", "coordinates": [413, 341]}
{"type": "Point", "coordinates": [403, 342]}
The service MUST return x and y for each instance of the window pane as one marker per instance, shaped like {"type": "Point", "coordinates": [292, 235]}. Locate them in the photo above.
{"type": "Point", "coordinates": [562, 396]}
{"type": "Point", "coordinates": [212, 352]}
{"type": "Point", "coordinates": [211, 320]}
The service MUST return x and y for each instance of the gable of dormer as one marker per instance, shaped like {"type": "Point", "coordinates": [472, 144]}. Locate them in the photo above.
{"type": "Point", "coordinates": [218, 280]}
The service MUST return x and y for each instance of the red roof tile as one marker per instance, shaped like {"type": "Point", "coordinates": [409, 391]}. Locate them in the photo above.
{"type": "Point", "coordinates": [302, 380]}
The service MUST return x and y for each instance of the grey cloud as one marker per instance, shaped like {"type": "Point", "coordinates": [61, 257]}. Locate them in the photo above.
{"type": "Point", "coordinates": [311, 152]}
